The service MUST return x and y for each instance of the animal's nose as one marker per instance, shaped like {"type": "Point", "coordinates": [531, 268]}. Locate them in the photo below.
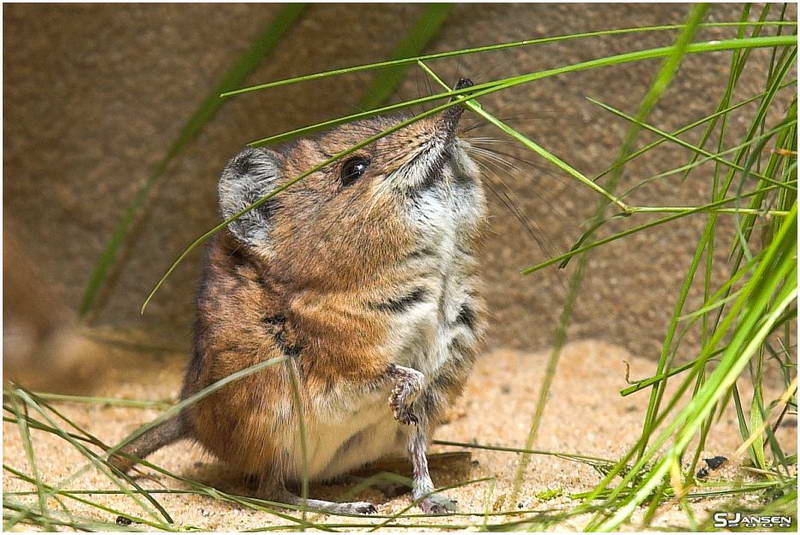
{"type": "Point", "coordinates": [452, 115]}
{"type": "Point", "coordinates": [462, 83]}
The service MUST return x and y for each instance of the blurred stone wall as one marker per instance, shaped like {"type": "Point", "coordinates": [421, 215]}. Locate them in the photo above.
{"type": "Point", "coordinates": [94, 95]}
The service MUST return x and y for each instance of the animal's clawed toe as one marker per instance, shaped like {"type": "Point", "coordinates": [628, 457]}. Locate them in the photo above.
{"type": "Point", "coordinates": [437, 505]}
{"type": "Point", "coordinates": [364, 508]}
{"type": "Point", "coordinates": [348, 508]}
{"type": "Point", "coordinates": [403, 414]}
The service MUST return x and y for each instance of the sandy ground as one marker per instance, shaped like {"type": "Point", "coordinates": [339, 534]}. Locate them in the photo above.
{"type": "Point", "coordinates": [584, 415]}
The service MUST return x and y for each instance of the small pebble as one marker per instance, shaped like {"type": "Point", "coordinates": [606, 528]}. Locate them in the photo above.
{"type": "Point", "coordinates": [715, 462]}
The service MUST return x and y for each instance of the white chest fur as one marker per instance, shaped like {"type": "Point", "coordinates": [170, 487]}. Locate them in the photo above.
{"type": "Point", "coordinates": [421, 335]}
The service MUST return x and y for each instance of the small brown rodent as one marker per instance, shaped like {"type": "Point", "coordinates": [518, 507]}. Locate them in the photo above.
{"type": "Point", "coordinates": [364, 273]}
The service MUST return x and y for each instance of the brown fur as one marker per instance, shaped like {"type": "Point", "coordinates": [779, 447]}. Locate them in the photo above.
{"type": "Point", "coordinates": [338, 341]}
{"type": "Point", "coordinates": [323, 289]}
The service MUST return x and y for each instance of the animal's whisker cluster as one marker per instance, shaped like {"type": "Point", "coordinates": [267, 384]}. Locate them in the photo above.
{"type": "Point", "coordinates": [495, 164]}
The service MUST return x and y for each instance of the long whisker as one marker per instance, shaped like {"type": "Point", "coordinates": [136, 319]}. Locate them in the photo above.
{"type": "Point", "coordinates": [488, 141]}
{"type": "Point", "coordinates": [533, 230]}
{"type": "Point", "coordinates": [541, 169]}
{"type": "Point", "coordinates": [513, 157]}
{"type": "Point", "coordinates": [538, 235]}
{"type": "Point", "coordinates": [492, 156]}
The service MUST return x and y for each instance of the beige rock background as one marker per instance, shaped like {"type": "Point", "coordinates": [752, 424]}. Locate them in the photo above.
{"type": "Point", "coordinates": [94, 95]}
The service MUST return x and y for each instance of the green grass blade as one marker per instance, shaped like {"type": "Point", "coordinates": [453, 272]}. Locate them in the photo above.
{"type": "Point", "coordinates": [424, 30]}
{"type": "Point", "coordinates": [291, 134]}
{"type": "Point", "coordinates": [757, 418]}
{"type": "Point", "coordinates": [490, 48]}
{"type": "Point", "coordinates": [261, 48]}
{"type": "Point", "coordinates": [471, 93]}
{"type": "Point", "coordinates": [697, 410]}
{"type": "Point", "coordinates": [778, 265]}
{"type": "Point", "coordinates": [54, 492]}
{"type": "Point", "coordinates": [297, 405]}
{"type": "Point", "coordinates": [662, 80]}
{"type": "Point", "coordinates": [197, 488]}
{"type": "Point", "coordinates": [532, 145]}
{"type": "Point", "coordinates": [683, 212]}
{"type": "Point", "coordinates": [116, 402]}
{"type": "Point", "coordinates": [505, 83]}
{"type": "Point", "coordinates": [785, 140]}
{"type": "Point", "coordinates": [683, 129]}
{"type": "Point", "coordinates": [173, 411]}
{"type": "Point", "coordinates": [678, 141]}
{"type": "Point", "coordinates": [94, 460]}
{"type": "Point", "coordinates": [758, 139]}
{"type": "Point", "coordinates": [25, 435]}
{"type": "Point", "coordinates": [738, 62]}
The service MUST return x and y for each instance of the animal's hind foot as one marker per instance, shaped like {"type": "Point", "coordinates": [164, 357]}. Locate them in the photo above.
{"type": "Point", "coordinates": [323, 506]}
{"type": "Point", "coordinates": [437, 504]}
{"type": "Point", "coordinates": [344, 508]}
{"type": "Point", "coordinates": [353, 508]}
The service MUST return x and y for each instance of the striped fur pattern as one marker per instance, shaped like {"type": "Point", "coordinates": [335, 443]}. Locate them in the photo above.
{"type": "Point", "coordinates": [370, 286]}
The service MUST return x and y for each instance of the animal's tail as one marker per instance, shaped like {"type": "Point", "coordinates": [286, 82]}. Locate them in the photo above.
{"type": "Point", "coordinates": [156, 438]}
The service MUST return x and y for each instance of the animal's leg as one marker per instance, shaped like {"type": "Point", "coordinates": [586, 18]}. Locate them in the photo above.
{"type": "Point", "coordinates": [349, 508]}
{"type": "Point", "coordinates": [436, 504]}
{"type": "Point", "coordinates": [407, 386]}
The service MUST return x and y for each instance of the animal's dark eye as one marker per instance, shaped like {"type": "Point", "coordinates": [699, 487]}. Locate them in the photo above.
{"type": "Point", "coordinates": [353, 169]}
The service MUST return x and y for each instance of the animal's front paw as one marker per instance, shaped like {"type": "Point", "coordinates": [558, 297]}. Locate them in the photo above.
{"type": "Point", "coordinates": [403, 414]}
{"type": "Point", "coordinates": [437, 504]}
{"type": "Point", "coordinates": [407, 386]}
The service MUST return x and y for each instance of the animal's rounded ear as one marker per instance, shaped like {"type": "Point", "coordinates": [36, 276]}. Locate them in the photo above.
{"type": "Point", "coordinates": [250, 175]}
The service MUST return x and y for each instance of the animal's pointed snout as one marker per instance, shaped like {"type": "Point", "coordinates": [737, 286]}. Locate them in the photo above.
{"type": "Point", "coordinates": [462, 83]}
{"type": "Point", "coordinates": [450, 116]}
